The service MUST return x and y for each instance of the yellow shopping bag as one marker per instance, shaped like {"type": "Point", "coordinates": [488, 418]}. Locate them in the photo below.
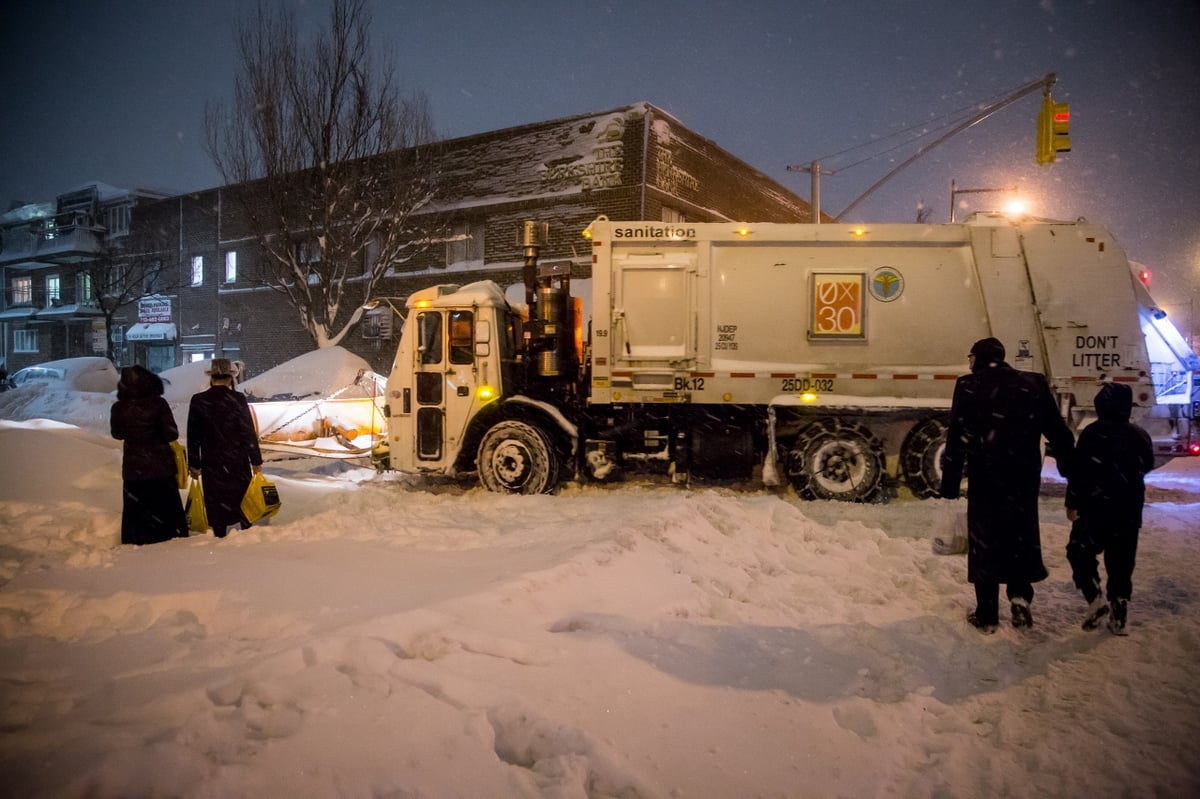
{"type": "Point", "coordinates": [261, 500]}
{"type": "Point", "coordinates": [181, 469]}
{"type": "Point", "coordinates": [197, 517]}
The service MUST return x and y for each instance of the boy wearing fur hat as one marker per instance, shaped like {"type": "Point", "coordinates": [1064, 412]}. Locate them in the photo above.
{"type": "Point", "coordinates": [1105, 495]}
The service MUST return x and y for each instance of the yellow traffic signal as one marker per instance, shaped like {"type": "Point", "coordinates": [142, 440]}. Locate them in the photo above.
{"type": "Point", "coordinates": [1062, 128]}
{"type": "Point", "coordinates": [1045, 132]}
{"type": "Point", "coordinates": [1053, 130]}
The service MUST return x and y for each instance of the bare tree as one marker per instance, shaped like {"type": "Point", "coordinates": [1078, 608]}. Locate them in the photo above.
{"type": "Point", "coordinates": [333, 162]}
{"type": "Point", "coordinates": [119, 278]}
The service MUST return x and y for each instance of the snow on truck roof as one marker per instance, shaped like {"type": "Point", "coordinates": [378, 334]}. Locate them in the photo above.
{"type": "Point", "coordinates": [482, 292]}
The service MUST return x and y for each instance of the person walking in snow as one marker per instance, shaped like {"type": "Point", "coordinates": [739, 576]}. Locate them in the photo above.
{"type": "Point", "coordinates": [1105, 495]}
{"type": "Point", "coordinates": [151, 511]}
{"type": "Point", "coordinates": [222, 447]}
{"type": "Point", "coordinates": [997, 420]}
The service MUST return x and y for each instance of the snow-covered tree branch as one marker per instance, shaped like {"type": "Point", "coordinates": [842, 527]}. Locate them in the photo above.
{"type": "Point", "coordinates": [330, 163]}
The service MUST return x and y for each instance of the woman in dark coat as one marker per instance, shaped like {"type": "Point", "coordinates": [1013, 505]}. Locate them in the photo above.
{"type": "Point", "coordinates": [997, 421]}
{"type": "Point", "coordinates": [151, 510]}
{"type": "Point", "coordinates": [222, 447]}
{"type": "Point", "coordinates": [1105, 495]}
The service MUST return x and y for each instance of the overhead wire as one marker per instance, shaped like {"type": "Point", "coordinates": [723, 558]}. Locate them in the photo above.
{"type": "Point", "coordinates": [943, 122]}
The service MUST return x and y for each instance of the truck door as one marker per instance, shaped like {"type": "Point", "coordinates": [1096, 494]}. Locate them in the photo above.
{"type": "Point", "coordinates": [445, 378]}
{"type": "Point", "coordinates": [653, 299]}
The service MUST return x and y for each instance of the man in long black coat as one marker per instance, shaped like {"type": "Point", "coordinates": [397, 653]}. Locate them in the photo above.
{"type": "Point", "coordinates": [222, 447]}
{"type": "Point", "coordinates": [997, 421]}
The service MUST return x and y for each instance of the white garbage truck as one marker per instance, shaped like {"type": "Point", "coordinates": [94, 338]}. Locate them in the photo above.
{"type": "Point", "coordinates": [823, 355]}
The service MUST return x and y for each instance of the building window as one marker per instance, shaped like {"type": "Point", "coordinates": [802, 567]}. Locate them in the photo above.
{"type": "Point", "coordinates": [308, 252]}
{"type": "Point", "coordinates": [197, 270]}
{"type": "Point", "coordinates": [116, 220]}
{"type": "Point", "coordinates": [83, 289]}
{"type": "Point", "coordinates": [22, 290]}
{"type": "Point", "coordinates": [670, 214]}
{"type": "Point", "coordinates": [53, 290]}
{"type": "Point", "coordinates": [25, 341]}
{"type": "Point", "coordinates": [152, 277]}
{"type": "Point", "coordinates": [465, 243]}
{"type": "Point", "coordinates": [231, 266]}
{"type": "Point", "coordinates": [118, 278]}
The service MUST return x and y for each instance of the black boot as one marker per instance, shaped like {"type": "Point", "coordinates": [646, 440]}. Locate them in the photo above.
{"type": "Point", "coordinates": [1118, 608]}
{"type": "Point", "coordinates": [1021, 615]}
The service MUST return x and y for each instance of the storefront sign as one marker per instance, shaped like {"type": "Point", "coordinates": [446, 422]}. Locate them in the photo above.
{"type": "Point", "coordinates": [154, 309]}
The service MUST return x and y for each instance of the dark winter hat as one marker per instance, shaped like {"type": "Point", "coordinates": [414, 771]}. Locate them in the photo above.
{"type": "Point", "coordinates": [138, 381]}
{"type": "Point", "coordinates": [1114, 401]}
{"type": "Point", "coordinates": [988, 350]}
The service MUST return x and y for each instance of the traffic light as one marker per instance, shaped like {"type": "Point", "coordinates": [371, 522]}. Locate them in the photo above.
{"type": "Point", "coordinates": [1045, 134]}
{"type": "Point", "coordinates": [1062, 128]}
{"type": "Point", "coordinates": [1053, 130]}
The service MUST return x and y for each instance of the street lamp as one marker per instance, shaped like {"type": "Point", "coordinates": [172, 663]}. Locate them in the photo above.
{"type": "Point", "coordinates": [954, 192]}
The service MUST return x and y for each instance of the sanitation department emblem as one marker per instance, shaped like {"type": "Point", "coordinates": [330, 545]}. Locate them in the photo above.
{"type": "Point", "coordinates": [886, 284]}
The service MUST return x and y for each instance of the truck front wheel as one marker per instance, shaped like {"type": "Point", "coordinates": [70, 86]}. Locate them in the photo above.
{"type": "Point", "coordinates": [835, 459]}
{"type": "Point", "coordinates": [514, 458]}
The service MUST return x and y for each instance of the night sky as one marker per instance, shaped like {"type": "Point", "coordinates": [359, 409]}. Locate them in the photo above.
{"type": "Point", "coordinates": [115, 91]}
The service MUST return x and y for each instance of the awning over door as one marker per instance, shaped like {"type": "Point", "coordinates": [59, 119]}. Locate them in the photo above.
{"type": "Point", "coordinates": [151, 331]}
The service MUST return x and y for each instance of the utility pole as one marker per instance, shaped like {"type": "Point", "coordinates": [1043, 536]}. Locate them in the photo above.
{"type": "Point", "coordinates": [816, 171]}
{"type": "Point", "coordinates": [1044, 84]}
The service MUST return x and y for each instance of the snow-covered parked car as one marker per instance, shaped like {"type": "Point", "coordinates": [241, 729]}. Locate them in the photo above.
{"type": "Point", "coordinates": [72, 374]}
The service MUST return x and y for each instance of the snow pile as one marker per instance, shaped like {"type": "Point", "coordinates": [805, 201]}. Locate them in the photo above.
{"type": "Point", "coordinates": [320, 373]}
{"type": "Point", "coordinates": [388, 636]}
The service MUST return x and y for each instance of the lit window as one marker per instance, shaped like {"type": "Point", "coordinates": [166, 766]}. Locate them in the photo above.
{"type": "Point", "coordinates": [22, 290]}
{"type": "Point", "coordinates": [53, 290]}
{"type": "Point", "coordinates": [25, 341]}
{"type": "Point", "coordinates": [231, 266]}
{"type": "Point", "coordinates": [198, 270]}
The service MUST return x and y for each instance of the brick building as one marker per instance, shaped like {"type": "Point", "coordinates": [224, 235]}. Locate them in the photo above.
{"type": "Point", "coordinates": [56, 261]}
{"type": "Point", "coordinates": [634, 162]}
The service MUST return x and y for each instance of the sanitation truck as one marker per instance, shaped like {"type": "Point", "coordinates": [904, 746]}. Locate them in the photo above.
{"type": "Point", "coordinates": [823, 355]}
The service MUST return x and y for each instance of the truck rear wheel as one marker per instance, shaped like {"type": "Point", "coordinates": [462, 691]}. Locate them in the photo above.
{"type": "Point", "coordinates": [514, 458]}
{"type": "Point", "coordinates": [835, 459]}
{"type": "Point", "coordinates": [921, 457]}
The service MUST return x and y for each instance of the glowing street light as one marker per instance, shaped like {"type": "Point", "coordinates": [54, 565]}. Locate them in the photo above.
{"type": "Point", "coordinates": [954, 192]}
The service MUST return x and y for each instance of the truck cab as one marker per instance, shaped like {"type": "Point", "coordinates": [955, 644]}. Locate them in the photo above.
{"type": "Point", "coordinates": [455, 357]}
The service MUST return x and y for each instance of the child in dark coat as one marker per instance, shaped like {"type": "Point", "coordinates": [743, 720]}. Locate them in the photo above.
{"type": "Point", "coordinates": [1105, 495]}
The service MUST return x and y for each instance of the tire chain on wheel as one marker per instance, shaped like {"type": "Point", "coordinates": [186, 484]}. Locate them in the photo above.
{"type": "Point", "coordinates": [851, 434]}
{"type": "Point", "coordinates": [919, 459]}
